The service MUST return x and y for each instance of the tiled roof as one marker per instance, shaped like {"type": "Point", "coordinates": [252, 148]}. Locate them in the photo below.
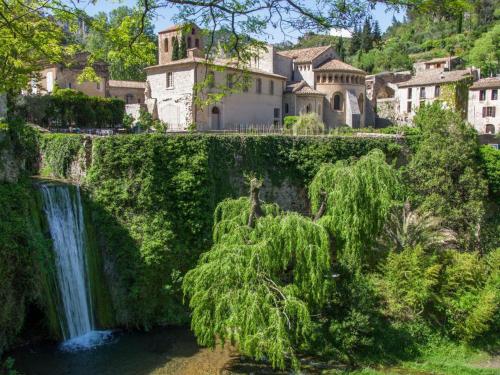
{"type": "Point", "coordinates": [440, 59]}
{"type": "Point", "coordinates": [127, 84]}
{"type": "Point", "coordinates": [174, 28]}
{"type": "Point", "coordinates": [432, 77]}
{"type": "Point", "coordinates": [301, 88]}
{"type": "Point", "coordinates": [215, 62]}
{"type": "Point", "coordinates": [486, 83]}
{"type": "Point", "coordinates": [304, 54]}
{"type": "Point", "coordinates": [334, 64]}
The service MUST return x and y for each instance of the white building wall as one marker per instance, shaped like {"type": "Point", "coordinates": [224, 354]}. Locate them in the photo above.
{"type": "Point", "coordinates": [174, 105]}
{"type": "Point", "coordinates": [283, 66]}
{"type": "Point", "coordinates": [242, 108]}
{"type": "Point", "coordinates": [403, 99]}
{"type": "Point", "coordinates": [475, 111]}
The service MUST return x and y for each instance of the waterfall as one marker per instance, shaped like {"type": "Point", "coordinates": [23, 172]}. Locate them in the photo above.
{"type": "Point", "coordinates": [64, 211]}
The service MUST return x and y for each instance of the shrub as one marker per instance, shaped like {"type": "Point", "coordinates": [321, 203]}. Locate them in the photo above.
{"type": "Point", "coordinates": [66, 107]}
{"type": "Point", "coordinates": [309, 124]}
{"type": "Point", "coordinates": [289, 121]}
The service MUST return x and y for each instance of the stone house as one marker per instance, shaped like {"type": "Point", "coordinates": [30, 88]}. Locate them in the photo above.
{"type": "Point", "coordinates": [440, 63]}
{"type": "Point", "coordinates": [449, 87]}
{"type": "Point", "coordinates": [280, 83]}
{"type": "Point", "coordinates": [66, 76]}
{"type": "Point", "coordinates": [484, 105]}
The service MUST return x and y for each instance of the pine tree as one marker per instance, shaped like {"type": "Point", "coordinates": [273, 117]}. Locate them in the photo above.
{"type": "Point", "coordinates": [366, 36]}
{"type": "Point", "coordinates": [182, 47]}
{"type": "Point", "coordinates": [376, 34]}
{"type": "Point", "coordinates": [175, 49]}
{"type": "Point", "coordinates": [355, 41]}
{"type": "Point", "coordinates": [340, 48]}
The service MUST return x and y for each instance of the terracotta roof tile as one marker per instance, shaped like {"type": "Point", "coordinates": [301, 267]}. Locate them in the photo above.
{"type": "Point", "coordinates": [485, 83]}
{"type": "Point", "coordinates": [301, 88]}
{"type": "Point", "coordinates": [432, 77]}
{"type": "Point", "coordinates": [334, 64]}
{"type": "Point", "coordinates": [304, 54]}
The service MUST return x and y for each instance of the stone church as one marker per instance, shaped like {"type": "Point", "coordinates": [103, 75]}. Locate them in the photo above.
{"type": "Point", "coordinates": [278, 84]}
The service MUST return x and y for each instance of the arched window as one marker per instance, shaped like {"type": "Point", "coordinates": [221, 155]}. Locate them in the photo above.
{"type": "Point", "coordinates": [330, 79]}
{"type": "Point", "coordinates": [341, 79]}
{"type": "Point", "coordinates": [337, 102]}
{"type": "Point", "coordinates": [189, 42]}
{"type": "Point", "coordinates": [308, 108]}
{"type": "Point", "coordinates": [361, 103]}
{"type": "Point", "coordinates": [336, 79]}
{"type": "Point", "coordinates": [165, 45]}
{"type": "Point", "coordinates": [490, 129]}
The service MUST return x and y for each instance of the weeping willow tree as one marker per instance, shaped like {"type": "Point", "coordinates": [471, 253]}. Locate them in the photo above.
{"type": "Point", "coordinates": [359, 195]}
{"type": "Point", "coordinates": [261, 281]}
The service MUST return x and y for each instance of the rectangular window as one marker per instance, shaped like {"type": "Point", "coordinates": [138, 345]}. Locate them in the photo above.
{"type": "Point", "coordinates": [98, 85]}
{"type": "Point", "coordinates": [489, 111]}
{"type": "Point", "coordinates": [271, 87]}
{"type": "Point", "coordinates": [482, 95]}
{"type": "Point", "coordinates": [230, 81]}
{"type": "Point", "coordinates": [408, 107]}
{"type": "Point", "coordinates": [437, 91]}
{"type": "Point", "coordinates": [422, 93]}
{"type": "Point", "coordinates": [409, 92]}
{"type": "Point", "coordinates": [494, 94]}
{"type": "Point", "coordinates": [170, 80]}
{"type": "Point", "coordinates": [287, 108]}
{"type": "Point", "coordinates": [211, 80]}
{"type": "Point", "coordinates": [258, 86]}
{"type": "Point", "coordinates": [276, 113]}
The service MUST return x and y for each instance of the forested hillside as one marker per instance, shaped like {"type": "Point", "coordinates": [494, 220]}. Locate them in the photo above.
{"type": "Point", "coordinates": [467, 28]}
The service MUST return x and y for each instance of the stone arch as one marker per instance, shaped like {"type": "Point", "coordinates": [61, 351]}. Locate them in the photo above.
{"type": "Point", "coordinates": [341, 79]}
{"type": "Point", "coordinates": [490, 129]}
{"type": "Point", "coordinates": [338, 101]}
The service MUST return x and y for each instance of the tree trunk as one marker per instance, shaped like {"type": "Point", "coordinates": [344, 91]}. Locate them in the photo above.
{"type": "Point", "coordinates": [322, 207]}
{"type": "Point", "coordinates": [255, 209]}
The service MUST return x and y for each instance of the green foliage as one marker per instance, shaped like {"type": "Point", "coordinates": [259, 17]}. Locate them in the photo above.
{"type": "Point", "coordinates": [153, 197]}
{"type": "Point", "coordinates": [491, 165]}
{"type": "Point", "coordinates": [66, 107]}
{"type": "Point", "coordinates": [444, 173]}
{"type": "Point", "coordinates": [128, 121]}
{"type": "Point", "coordinates": [274, 274]}
{"type": "Point", "coordinates": [125, 39]}
{"type": "Point", "coordinates": [59, 151]}
{"type": "Point", "coordinates": [360, 195]}
{"type": "Point", "coordinates": [175, 50]}
{"type": "Point", "coordinates": [486, 52]}
{"type": "Point", "coordinates": [407, 283]}
{"type": "Point", "coordinates": [289, 121]}
{"type": "Point", "coordinates": [308, 124]}
{"type": "Point", "coordinates": [406, 228]}
{"type": "Point", "coordinates": [470, 293]}
{"type": "Point", "coordinates": [26, 269]}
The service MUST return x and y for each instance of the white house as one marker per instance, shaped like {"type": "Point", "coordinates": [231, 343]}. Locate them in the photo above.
{"type": "Point", "coordinates": [484, 105]}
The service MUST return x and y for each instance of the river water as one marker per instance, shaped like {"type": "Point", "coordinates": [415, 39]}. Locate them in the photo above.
{"type": "Point", "coordinates": [166, 351]}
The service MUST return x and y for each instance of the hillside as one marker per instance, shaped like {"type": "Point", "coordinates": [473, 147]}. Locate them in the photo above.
{"type": "Point", "coordinates": [470, 30]}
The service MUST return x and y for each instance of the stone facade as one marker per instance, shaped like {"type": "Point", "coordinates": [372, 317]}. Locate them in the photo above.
{"type": "Point", "coordinates": [132, 92]}
{"type": "Point", "coordinates": [66, 77]}
{"type": "Point", "coordinates": [484, 105]}
{"type": "Point", "coordinates": [281, 83]}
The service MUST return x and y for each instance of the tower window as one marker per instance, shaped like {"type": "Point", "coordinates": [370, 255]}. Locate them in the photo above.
{"type": "Point", "coordinates": [166, 45]}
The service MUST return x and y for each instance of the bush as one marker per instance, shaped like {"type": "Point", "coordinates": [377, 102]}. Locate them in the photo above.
{"type": "Point", "coordinates": [66, 107]}
{"type": "Point", "coordinates": [309, 124]}
{"type": "Point", "coordinates": [289, 121]}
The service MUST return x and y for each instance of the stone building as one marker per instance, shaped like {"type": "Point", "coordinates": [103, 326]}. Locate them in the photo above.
{"type": "Point", "coordinates": [484, 105]}
{"type": "Point", "coordinates": [65, 76]}
{"type": "Point", "coordinates": [449, 87]}
{"type": "Point", "coordinates": [440, 63]}
{"type": "Point", "coordinates": [281, 83]}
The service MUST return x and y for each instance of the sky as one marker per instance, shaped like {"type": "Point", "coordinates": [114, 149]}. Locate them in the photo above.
{"type": "Point", "coordinates": [381, 13]}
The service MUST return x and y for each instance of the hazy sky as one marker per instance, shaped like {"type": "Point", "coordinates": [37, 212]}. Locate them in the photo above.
{"type": "Point", "coordinates": [380, 13]}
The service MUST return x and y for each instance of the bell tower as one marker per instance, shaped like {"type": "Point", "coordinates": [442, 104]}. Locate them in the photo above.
{"type": "Point", "coordinates": [166, 41]}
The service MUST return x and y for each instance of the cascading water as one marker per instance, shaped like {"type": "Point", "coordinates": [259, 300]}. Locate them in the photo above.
{"type": "Point", "coordinates": [64, 213]}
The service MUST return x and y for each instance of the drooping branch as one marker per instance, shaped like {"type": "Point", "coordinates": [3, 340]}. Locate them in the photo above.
{"type": "Point", "coordinates": [255, 208]}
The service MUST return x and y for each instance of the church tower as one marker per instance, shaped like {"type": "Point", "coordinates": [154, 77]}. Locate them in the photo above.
{"type": "Point", "coordinates": [166, 39]}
